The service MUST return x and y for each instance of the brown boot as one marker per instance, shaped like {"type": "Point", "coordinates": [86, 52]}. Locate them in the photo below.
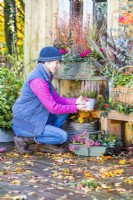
{"type": "Point", "coordinates": [65, 146]}
{"type": "Point", "coordinates": [52, 148]}
{"type": "Point", "coordinates": [22, 144]}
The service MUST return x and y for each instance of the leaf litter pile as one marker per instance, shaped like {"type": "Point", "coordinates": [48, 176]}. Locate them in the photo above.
{"type": "Point", "coordinates": [65, 176]}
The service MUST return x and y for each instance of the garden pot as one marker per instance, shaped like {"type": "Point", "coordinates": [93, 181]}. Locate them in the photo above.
{"type": "Point", "coordinates": [6, 136]}
{"type": "Point", "coordinates": [81, 150]}
{"type": "Point", "coordinates": [73, 128]}
{"type": "Point", "coordinates": [75, 71]}
{"type": "Point", "coordinates": [90, 104]}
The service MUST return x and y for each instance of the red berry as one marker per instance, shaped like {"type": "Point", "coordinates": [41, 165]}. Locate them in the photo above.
{"type": "Point", "coordinates": [106, 106]}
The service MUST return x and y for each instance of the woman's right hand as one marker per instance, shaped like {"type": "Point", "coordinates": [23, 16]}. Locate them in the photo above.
{"type": "Point", "coordinates": [82, 108]}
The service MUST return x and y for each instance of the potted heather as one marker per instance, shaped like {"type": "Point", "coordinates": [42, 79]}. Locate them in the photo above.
{"type": "Point", "coordinates": [90, 90]}
{"type": "Point", "coordinates": [71, 38]}
{"type": "Point", "coordinates": [103, 143]}
{"type": "Point", "coordinates": [84, 146]}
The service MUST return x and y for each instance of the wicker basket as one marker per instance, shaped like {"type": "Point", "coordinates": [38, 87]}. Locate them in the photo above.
{"type": "Point", "coordinates": [122, 94]}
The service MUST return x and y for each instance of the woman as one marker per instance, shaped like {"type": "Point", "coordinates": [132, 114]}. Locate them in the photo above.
{"type": "Point", "coordinates": [39, 112]}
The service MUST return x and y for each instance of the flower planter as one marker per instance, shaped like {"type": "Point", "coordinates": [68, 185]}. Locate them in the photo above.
{"type": "Point", "coordinates": [76, 71]}
{"type": "Point", "coordinates": [6, 136]}
{"type": "Point", "coordinates": [81, 150]}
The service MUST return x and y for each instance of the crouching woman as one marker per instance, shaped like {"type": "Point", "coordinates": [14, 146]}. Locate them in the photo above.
{"type": "Point", "coordinates": [39, 112]}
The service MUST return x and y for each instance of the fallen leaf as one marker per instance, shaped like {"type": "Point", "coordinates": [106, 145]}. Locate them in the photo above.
{"type": "Point", "coordinates": [129, 180]}
{"type": "Point", "coordinates": [15, 182]}
{"type": "Point", "coordinates": [117, 184]}
{"type": "Point", "coordinates": [122, 162]}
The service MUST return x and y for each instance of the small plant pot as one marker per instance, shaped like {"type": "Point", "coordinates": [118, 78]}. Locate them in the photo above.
{"type": "Point", "coordinates": [6, 136]}
{"type": "Point", "coordinates": [90, 104]}
{"type": "Point", "coordinates": [81, 150]}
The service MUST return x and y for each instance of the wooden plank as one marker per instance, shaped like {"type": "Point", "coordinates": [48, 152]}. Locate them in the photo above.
{"type": "Point", "coordinates": [114, 115]}
{"type": "Point", "coordinates": [120, 116]}
{"type": "Point", "coordinates": [113, 14]}
{"type": "Point", "coordinates": [115, 128]}
{"type": "Point", "coordinates": [80, 77]}
{"type": "Point", "coordinates": [27, 38]}
{"type": "Point", "coordinates": [111, 127]}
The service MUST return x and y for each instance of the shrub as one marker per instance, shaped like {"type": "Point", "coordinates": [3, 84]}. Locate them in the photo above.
{"type": "Point", "coordinates": [10, 85]}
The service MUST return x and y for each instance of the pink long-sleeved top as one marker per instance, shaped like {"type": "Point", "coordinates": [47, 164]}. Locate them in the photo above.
{"type": "Point", "coordinates": [54, 103]}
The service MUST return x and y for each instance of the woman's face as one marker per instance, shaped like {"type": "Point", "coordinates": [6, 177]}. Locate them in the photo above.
{"type": "Point", "coordinates": [53, 65]}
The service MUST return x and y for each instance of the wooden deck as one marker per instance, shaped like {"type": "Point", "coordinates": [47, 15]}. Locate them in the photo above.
{"type": "Point", "coordinates": [54, 177]}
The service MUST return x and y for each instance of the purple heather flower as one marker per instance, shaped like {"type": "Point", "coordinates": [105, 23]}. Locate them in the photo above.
{"type": "Point", "coordinates": [87, 145]}
{"type": "Point", "coordinates": [97, 143]}
{"type": "Point", "coordinates": [73, 147]}
{"type": "Point", "coordinates": [76, 138]}
{"type": "Point", "coordinates": [84, 53]}
{"type": "Point", "coordinates": [84, 133]}
{"type": "Point", "coordinates": [63, 51]}
{"type": "Point", "coordinates": [101, 49]}
{"type": "Point", "coordinates": [82, 141]}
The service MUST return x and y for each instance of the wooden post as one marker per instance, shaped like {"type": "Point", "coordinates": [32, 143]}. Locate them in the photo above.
{"type": "Point", "coordinates": [88, 11]}
{"type": "Point", "coordinates": [113, 14]}
{"type": "Point", "coordinates": [39, 25]}
{"type": "Point", "coordinates": [129, 133]}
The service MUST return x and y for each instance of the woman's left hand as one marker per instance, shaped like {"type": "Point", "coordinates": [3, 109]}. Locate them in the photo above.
{"type": "Point", "coordinates": [80, 100]}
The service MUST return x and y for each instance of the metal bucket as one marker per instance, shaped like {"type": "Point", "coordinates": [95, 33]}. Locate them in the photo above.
{"type": "Point", "coordinates": [78, 128]}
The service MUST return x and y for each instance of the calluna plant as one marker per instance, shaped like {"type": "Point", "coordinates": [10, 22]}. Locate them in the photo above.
{"type": "Point", "coordinates": [106, 139]}
{"type": "Point", "coordinates": [83, 140]}
{"type": "Point", "coordinates": [90, 89]}
{"type": "Point", "coordinates": [71, 39]}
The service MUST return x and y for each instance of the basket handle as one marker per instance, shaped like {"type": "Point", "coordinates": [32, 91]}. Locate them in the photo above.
{"type": "Point", "coordinates": [124, 68]}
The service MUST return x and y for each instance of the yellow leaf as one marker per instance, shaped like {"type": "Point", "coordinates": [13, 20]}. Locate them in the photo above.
{"type": "Point", "coordinates": [18, 170]}
{"type": "Point", "coordinates": [33, 181]}
{"type": "Point", "coordinates": [28, 171]}
{"type": "Point", "coordinates": [128, 180]}
{"type": "Point", "coordinates": [20, 164]}
{"type": "Point", "coordinates": [31, 193]}
{"type": "Point", "coordinates": [122, 162]}
{"type": "Point", "coordinates": [80, 120]}
{"type": "Point", "coordinates": [87, 174]}
{"type": "Point", "coordinates": [6, 197]}
{"type": "Point", "coordinates": [16, 182]}
{"type": "Point", "coordinates": [19, 197]}
{"type": "Point", "coordinates": [66, 171]}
